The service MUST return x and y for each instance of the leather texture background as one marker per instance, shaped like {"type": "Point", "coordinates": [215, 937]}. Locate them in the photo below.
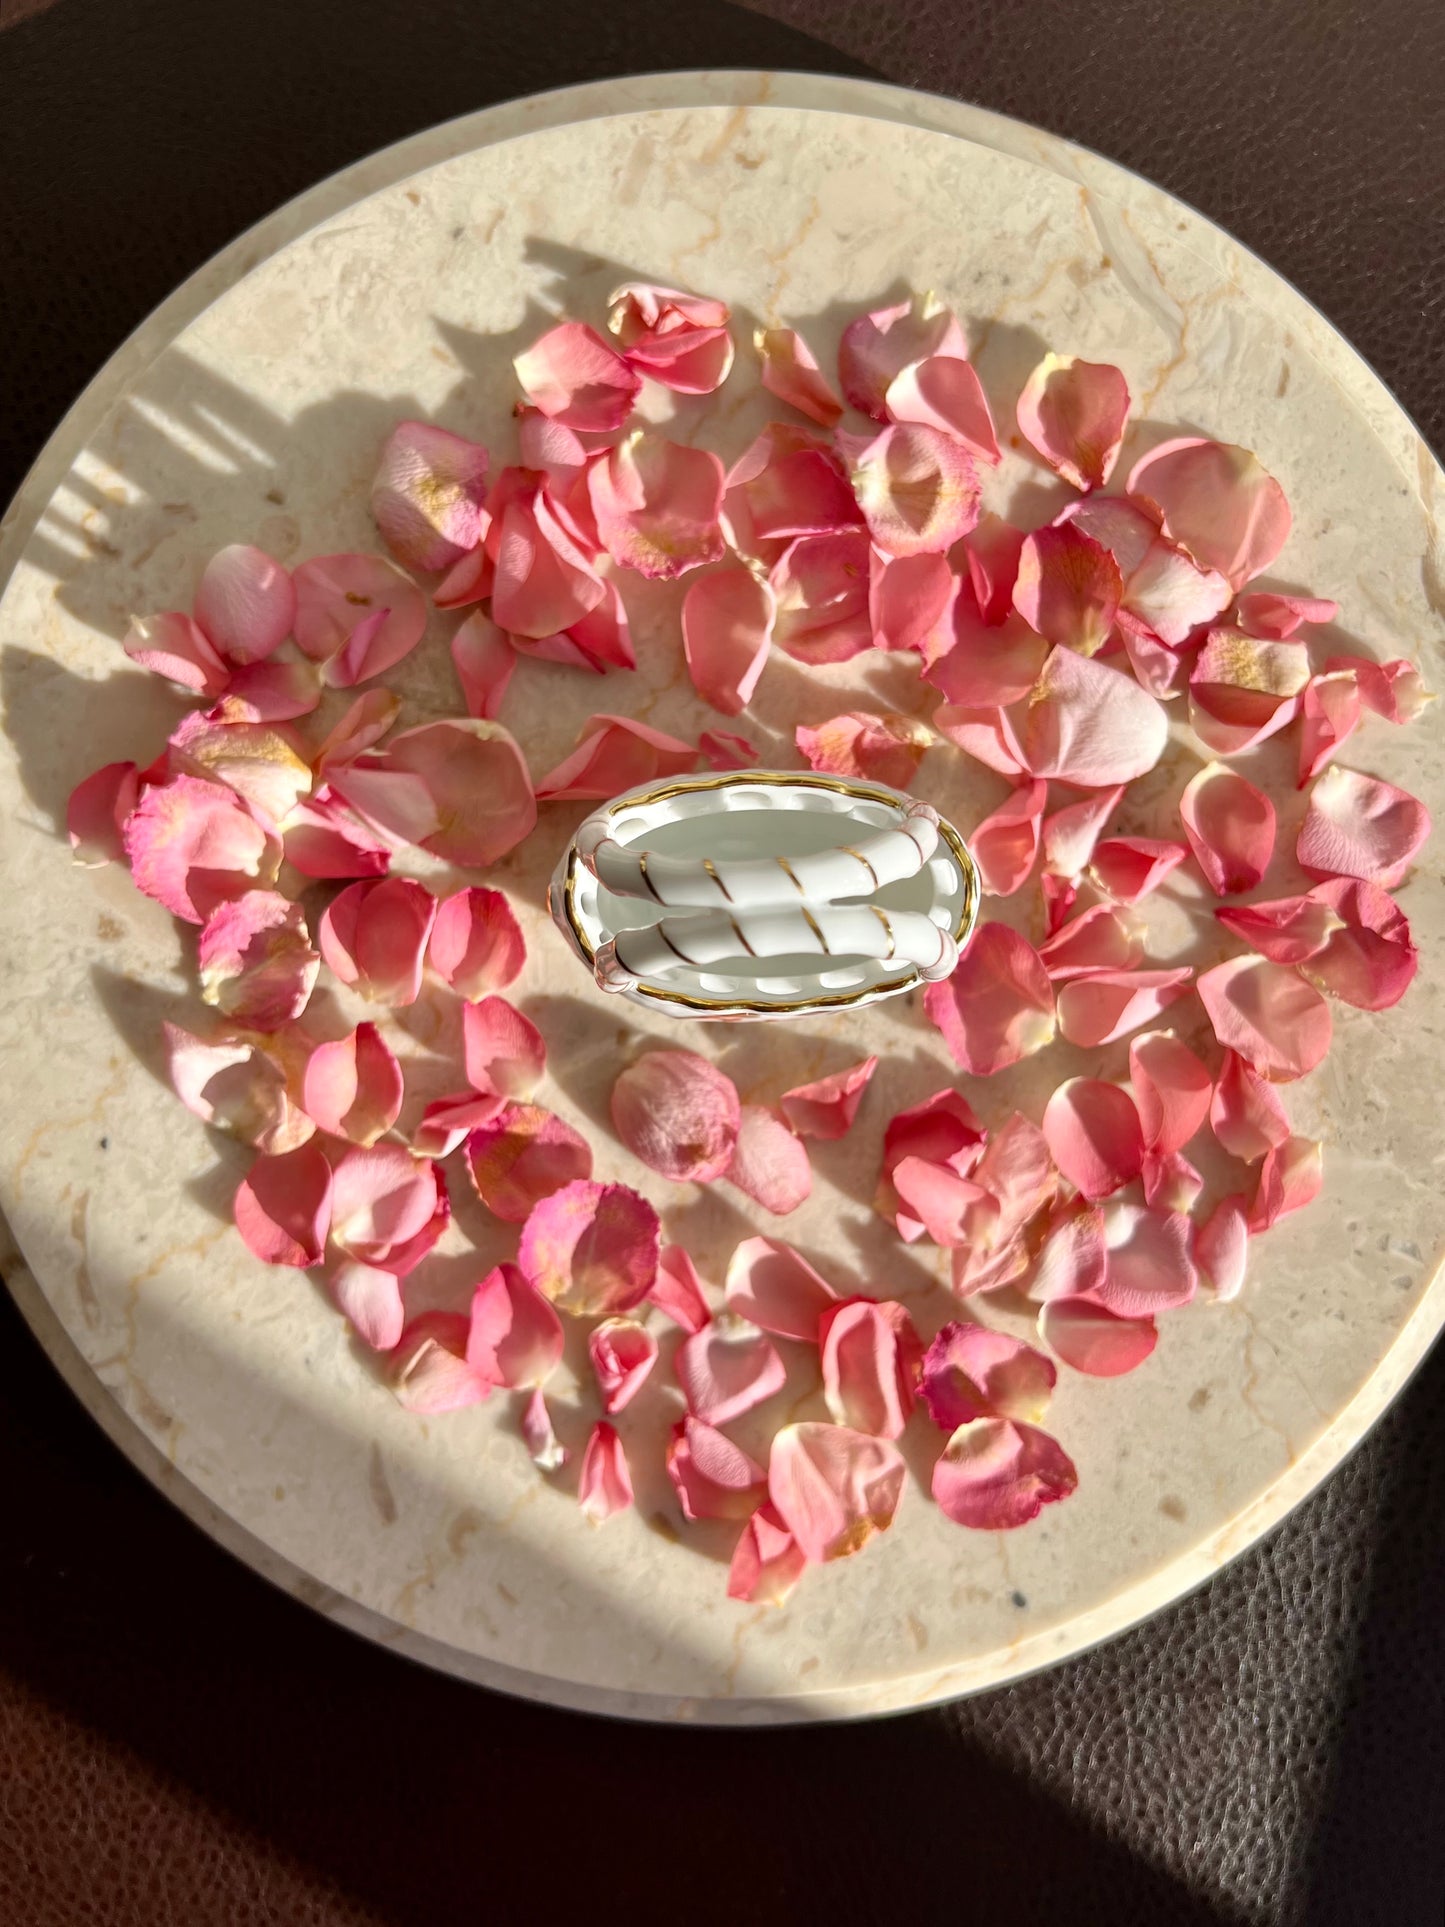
{"type": "Point", "coordinates": [179, 1744]}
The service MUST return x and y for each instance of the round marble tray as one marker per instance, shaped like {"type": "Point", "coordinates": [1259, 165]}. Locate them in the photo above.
{"type": "Point", "coordinates": [250, 407]}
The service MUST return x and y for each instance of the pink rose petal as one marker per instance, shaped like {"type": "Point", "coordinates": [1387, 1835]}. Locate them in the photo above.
{"type": "Point", "coordinates": [193, 845]}
{"type": "Point", "coordinates": [1073, 1259]}
{"type": "Point", "coordinates": [514, 1337]}
{"type": "Point", "coordinates": [504, 1051]}
{"type": "Point", "coordinates": [1267, 1013]}
{"type": "Point", "coordinates": [613, 754]}
{"type": "Point", "coordinates": [713, 1478]}
{"type": "Point", "coordinates": [539, 1434]}
{"type": "Point", "coordinates": [604, 1484]}
{"type": "Point", "coordinates": [1068, 588]}
{"type": "Point", "coordinates": [821, 587]}
{"type": "Point", "coordinates": [932, 1198]}
{"type": "Point", "coordinates": [387, 1206]}
{"type": "Point", "coordinates": [521, 1155]}
{"type": "Point", "coordinates": [255, 960]}
{"type": "Point", "coordinates": [1059, 894]}
{"type": "Point", "coordinates": [1368, 958]}
{"type": "Point", "coordinates": [575, 378]}
{"type": "Point", "coordinates": [447, 1122]}
{"type": "Point", "coordinates": [827, 1108]}
{"type": "Point", "coordinates": [273, 692]}
{"type": "Point", "coordinates": [1287, 930]}
{"type": "Point", "coordinates": [1246, 1113]}
{"type": "Point", "coordinates": [96, 812]}
{"type": "Point", "coordinates": [476, 944]}
{"type": "Point", "coordinates": [657, 505]}
{"type": "Point", "coordinates": [1242, 691]}
{"type": "Point", "coordinates": [724, 751]}
{"type": "Point", "coordinates": [1221, 1248]}
{"type": "Point", "coordinates": [877, 347]}
{"type": "Point", "coordinates": [1130, 868]}
{"type": "Point", "coordinates": [775, 1289]}
{"type": "Point", "coordinates": [1217, 502]}
{"type": "Point", "coordinates": [591, 1248]}
{"type": "Point", "coordinates": [1330, 711]}
{"type": "Point", "coordinates": [1017, 1174]}
{"type": "Point", "coordinates": [284, 1205]}
{"type": "Point", "coordinates": [680, 340]}
{"type": "Point", "coordinates": [545, 580]}
{"type": "Point", "coordinates": [353, 1087]}
{"type": "Point", "coordinates": [483, 657]}
{"type": "Point", "coordinates": [726, 1368]}
{"type": "Point", "coordinates": [678, 1113]}
{"type": "Point", "coordinates": [918, 489]}
{"type": "Point", "coordinates": [366, 719]}
{"type": "Point", "coordinates": [910, 600]}
{"type": "Point", "coordinates": [1170, 1181]}
{"type": "Point", "coordinates": [790, 482]}
{"type": "Point", "coordinates": [678, 1290]}
{"type": "Point", "coordinates": [1149, 1266]}
{"type": "Point", "coordinates": [173, 646]}
{"type": "Point", "coordinates": [986, 666]}
{"type": "Point", "coordinates": [886, 749]}
{"type": "Point", "coordinates": [767, 1562]}
{"type": "Point", "coordinates": [1087, 724]}
{"type": "Point", "coordinates": [1005, 845]}
{"type": "Point", "coordinates": [1390, 689]}
{"type": "Point", "coordinates": [1074, 412]}
{"type": "Point", "coordinates": [1095, 1341]}
{"type": "Point", "coordinates": [1097, 940]}
{"type": "Point", "coordinates": [833, 1488]}
{"type": "Point", "coordinates": [1095, 1010]}
{"type": "Point", "coordinates": [1094, 1135]}
{"type": "Point", "coordinates": [470, 580]}
{"type": "Point", "coordinates": [324, 837]}
{"type": "Point", "coordinates": [260, 761]}
{"type": "Point", "coordinates": [370, 1301]}
{"type": "Point", "coordinates": [458, 789]}
{"type": "Point", "coordinates": [942, 1129]}
{"type": "Point", "coordinates": [769, 1164]}
{"type": "Point", "coordinates": [1071, 834]}
{"type": "Point", "coordinates": [1290, 1177]}
{"type": "Point", "coordinates": [234, 1085]}
{"type": "Point", "coordinates": [622, 1354]}
{"type": "Point", "coordinates": [431, 1373]}
{"type": "Point", "coordinates": [428, 494]}
{"type": "Point", "coordinates": [970, 1372]}
{"type": "Point", "coordinates": [791, 372]}
{"type": "Point", "coordinates": [1278, 616]}
{"type": "Point", "coordinates": [998, 1006]}
{"type": "Point", "coordinates": [727, 632]}
{"type": "Point", "coordinates": [995, 1475]}
{"type": "Point", "coordinates": [374, 937]}
{"type": "Point", "coordinates": [870, 1357]}
{"type": "Point", "coordinates": [245, 603]}
{"type": "Point", "coordinates": [1172, 1090]}
{"type": "Point", "coordinates": [1230, 826]}
{"type": "Point", "coordinates": [1360, 827]}
{"type": "Point", "coordinates": [358, 615]}
{"type": "Point", "coordinates": [945, 393]}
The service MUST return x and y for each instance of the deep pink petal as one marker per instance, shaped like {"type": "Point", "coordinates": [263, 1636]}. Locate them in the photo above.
{"type": "Point", "coordinates": [1005, 845]}
{"type": "Point", "coordinates": [877, 347]}
{"type": "Point", "coordinates": [324, 837]}
{"type": "Point", "coordinates": [820, 584]}
{"type": "Point", "coordinates": [255, 960]}
{"type": "Point", "coordinates": [1390, 689]}
{"type": "Point", "coordinates": [1221, 1247]}
{"type": "Point", "coordinates": [725, 751]}
{"type": "Point", "coordinates": [1230, 826]}
{"type": "Point", "coordinates": [173, 646]}
{"type": "Point", "coordinates": [678, 1113]}
{"type": "Point", "coordinates": [591, 1248]}
{"type": "Point", "coordinates": [374, 936]}
{"type": "Point", "coordinates": [1088, 724]}
{"type": "Point", "coordinates": [284, 1205]}
{"type": "Point", "coordinates": [727, 632]}
{"type": "Point", "coordinates": [370, 1300]}
{"type": "Point", "coordinates": [1360, 827]}
{"type": "Point", "coordinates": [827, 1108]}
{"type": "Point", "coordinates": [1074, 413]}
{"type": "Point", "coordinates": [544, 581]}
{"type": "Point", "coordinates": [870, 1358]}
{"type": "Point", "coordinates": [613, 754]}
{"type": "Point", "coordinates": [1290, 1177]}
{"type": "Point", "coordinates": [470, 580]}
{"type": "Point", "coordinates": [504, 1051]}
{"type": "Point", "coordinates": [713, 1478]}
{"type": "Point", "coordinates": [790, 482]}
{"type": "Point", "coordinates": [910, 598]}
{"type": "Point", "coordinates": [1095, 1010]}
{"type": "Point", "coordinates": [1368, 958]}
{"type": "Point", "coordinates": [604, 1483]}
{"type": "Point", "coordinates": [918, 489]}
{"type": "Point", "coordinates": [1068, 588]}
{"type": "Point", "coordinates": [1268, 1014]}
{"type": "Point", "coordinates": [767, 1562]}
{"type": "Point", "coordinates": [193, 845]}
{"type": "Point", "coordinates": [514, 1337]}
{"type": "Point", "coordinates": [970, 1372]}
{"type": "Point", "coordinates": [448, 1121]}
{"type": "Point", "coordinates": [998, 1006]}
{"type": "Point", "coordinates": [521, 1155]}
{"type": "Point", "coordinates": [934, 1198]}
{"type": "Point", "coordinates": [944, 392]}
{"type": "Point", "coordinates": [1059, 894]}
{"type": "Point", "coordinates": [430, 1368]}
{"type": "Point", "coordinates": [428, 494]}
{"type": "Point", "coordinates": [1172, 1090]}
{"type": "Point", "coordinates": [942, 1128]}
{"type": "Point", "coordinates": [353, 1087]}
{"type": "Point", "coordinates": [887, 749]}
{"type": "Point", "coordinates": [366, 719]}
{"type": "Point", "coordinates": [1149, 1266]}
{"type": "Point", "coordinates": [1096, 1341]}
{"type": "Point", "coordinates": [476, 943]}
{"type": "Point", "coordinates": [96, 812]}
{"type": "Point", "coordinates": [245, 603]}
{"type": "Point", "coordinates": [356, 614]}
{"type": "Point", "coordinates": [791, 372]}
{"type": "Point", "coordinates": [678, 339]}
{"type": "Point", "coordinates": [1094, 1135]}
{"type": "Point", "coordinates": [383, 1199]}
{"type": "Point", "coordinates": [473, 781]}
{"type": "Point", "coordinates": [1097, 940]}
{"type": "Point", "coordinates": [1217, 501]}
{"type": "Point", "coordinates": [576, 378]}
{"type": "Point", "coordinates": [484, 659]}
{"type": "Point", "coordinates": [678, 1290]}
{"type": "Point", "coordinates": [273, 692]}
{"type": "Point", "coordinates": [770, 1164]}
{"type": "Point", "coordinates": [776, 1290]}
{"type": "Point", "coordinates": [1246, 1113]}
{"type": "Point", "coordinates": [726, 1368]}
{"type": "Point", "coordinates": [995, 1475]}
{"type": "Point", "coordinates": [622, 1354]}
{"type": "Point", "coordinates": [1017, 1174]}
{"type": "Point", "coordinates": [833, 1487]}
{"type": "Point", "coordinates": [1287, 930]}
{"type": "Point", "coordinates": [986, 734]}
{"type": "Point", "coordinates": [1130, 868]}
{"type": "Point", "coordinates": [657, 505]}
{"type": "Point", "coordinates": [1330, 710]}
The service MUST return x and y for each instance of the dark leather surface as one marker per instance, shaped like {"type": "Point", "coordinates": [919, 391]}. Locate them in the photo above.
{"type": "Point", "coordinates": [180, 1744]}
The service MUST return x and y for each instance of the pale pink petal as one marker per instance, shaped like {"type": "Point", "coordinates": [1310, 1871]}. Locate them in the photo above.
{"type": "Point", "coordinates": [474, 779]}
{"type": "Point", "coordinates": [945, 393]}
{"type": "Point", "coordinates": [173, 646]}
{"type": "Point", "coordinates": [431, 1373]}
{"type": "Point", "coordinates": [449, 1121]}
{"type": "Point", "coordinates": [1242, 690]}
{"type": "Point", "coordinates": [1168, 598]}
{"type": "Point", "coordinates": [870, 1358]}
{"type": "Point", "coordinates": [1170, 1181]}
{"type": "Point", "coordinates": [1129, 868]}
{"type": "Point", "coordinates": [713, 1478]}
{"type": "Point", "coordinates": [1290, 1177]}
{"type": "Point", "coordinates": [428, 494]}
{"type": "Point", "coordinates": [1368, 959]}
{"type": "Point", "coordinates": [727, 631]}
{"type": "Point", "coordinates": [678, 1290]}
{"type": "Point", "coordinates": [273, 692]}
{"type": "Point", "coordinates": [790, 482]}
{"type": "Point", "coordinates": [356, 614]}
{"type": "Point", "coordinates": [918, 489]}
{"type": "Point", "coordinates": [1246, 1113]}
{"type": "Point", "coordinates": [1095, 1010]}
{"type": "Point", "coordinates": [370, 1300]}
{"type": "Point", "coordinates": [386, 1206]}
{"type": "Point", "coordinates": [1068, 588]}
{"type": "Point", "coordinates": [470, 580]}
{"type": "Point", "coordinates": [234, 1085]}
{"type": "Point", "coordinates": [504, 1051]}
{"type": "Point", "coordinates": [1230, 825]}
{"type": "Point", "coordinates": [574, 377]}
{"type": "Point", "coordinates": [374, 936]}
{"type": "Point", "coordinates": [604, 1484]}
{"type": "Point", "coordinates": [522, 1154]}
{"type": "Point", "coordinates": [484, 659]}
{"type": "Point", "coordinates": [1093, 1340]}
{"type": "Point", "coordinates": [613, 754]}
{"type": "Point", "coordinates": [545, 581]}
{"type": "Point", "coordinates": [724, 751]}
{"type": "Point", "coordinates": [1221, 1248]}
{"type": "Point", "coordinates": [1267, 1013]}
{"type": "Point", "coordinates": [96, 812]}
{"type": "Point", "coordinates": [476, 944]}
{"type": "Point", "coordinates": [821, 587]}
{"type": "Point", "coordinates": [1094, 1135]}
{"type": "Point", "coordinates": [985, 734]}
{"type": "Point", "coordinates": [622, 1354]}
{"type": "Point", "coordinates": [1163, 671]}
{"type": "Point", "coordinates": [934, 1198]}
{"type": "Point", "coordinates": [774, 1289]}
{"type": "Point", "coordinates": [245, 604]}
{"type": "Point", "coordinates": [255, 960]}
{"type": "Point", "coordinates": [603, 637]}
{"type": "Point", "coordinates": [1391, 689]}
{"type": "Point", "coordinates": [1097, 940]}
{"type": "Point", "coordinates": [1073, 1259]}
{"type": "Point", "coordinates": [1360, 827]}
{"type": "Point", "coordinates": [985, 665]}
{"type": "Point", "coordinates": [1074, 412]}
{"type": "Point", "coordinates": [1276, 617]}
{"type": "Point", "coordinates": [791, 372]}
{"type": "Point", "coordinates": [1005, 845]}
{"type": "Point", "coordinates": [284, 1205]}
{"type": "Point", "coordinates": [261, 762]}
{"type": "Point", "coordinates": [1149, 1266]}
{"type": "Point", "coordinates": [591, 1248]}
{"type": "Point", "coordinates": [998, 1006]}
{"type": "Point", "coordinates": [680, 340]}
{"type": "Point", "coordinates": [544, 1448]}
{"type": "Point", "coordinates": [727, 1368]}
{"type": "Point", "coordinates": [827, 1108]}
{"type": "Point", "coordinates": [1217, 502]}
{"type": "Point", "coordinates": [366, 719]}
{"type": "Point", "coordinates": [353, 1087]}
{"type": "Point", "coordinates": [833, 1487]}
{"type": "Point", "coordinates": [995, 1475]}
{"type": "Point", "coordinates": [1329, 714]}
{"type": "Point", "coordinates": [514, 1337]}
{"type": "Point", "coordinates": [657, 505]}
{"type": "Point", "coordinates": [1288, 930]}
{"type": "Point", "coordinates": [767, 1562]}
{"type": "Point", "coordinates": [1071, 834]}
{"type": "Point", "coordinates": [1087, 724]}
{"type": "Point", "coordinates": [324, 837]}
{"type": "Point", "coordinates": [970, 1372]}
{"type": "Point", "coordinates": [678, 1113]}
{"type": "Point", "coordinates": [769, 1163]}
{"type": "Point", "coordinates": [909, 601]}
{"type": "Point", "coordinates": [886, 749]}
{"type": "Point", "coordinates": [1172, 1090]}
{"type": "Point", "coordinates": [877, 347]}
{"type": "Point", "coordinates": [193, 845]}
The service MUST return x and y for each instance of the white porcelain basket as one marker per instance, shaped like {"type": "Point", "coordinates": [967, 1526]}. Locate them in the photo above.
{"type": "Point", "coordinates": [764, 894]}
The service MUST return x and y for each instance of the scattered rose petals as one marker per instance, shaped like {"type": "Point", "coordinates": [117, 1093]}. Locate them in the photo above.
{"type": "Point", "coordinates": [374, 937]}
{"type": "Point", "coordinates": [1221, 1248]}
{"type": "Point", "coordinates": [877, 347]}
{"type": "Point", "coordinates": [1290, 1177]}
{"type": "Point", "coordinates": [1268, 1014]}
{"type": "Point", "coordinates": [1230, 826]}
{"type": "Point", "coordinates": [260, 761]}
{"type": "Point", "coordinates": [727, 632]}
{"type": "Point", "coordinates": [1006, 844]}
{"type": "Point", "coordinates": [544, 580]}
{"type": "Point", "coordinates": [1368, 958]}
{"type": "Point", "coordinates": [387, 1207]}
{"type": "Point", "coordinates": [193, 845]}
{"type": "Point", "coordinates": [503, 1050]}
{"type": "Point", "coordinates": [1094, 1136]}
{"type": "Point", "coordinates": [1095, 1010]}
{"type": "Point", "coordinates": [1149, 1266]}
{"type": "Point", "coordinates": [353, 1087]}
{"type": "Point", "coordinates": [1073, 413]}
{"type": "Point", "coordinates": [458, 789]}
{"type": "Point", "coordinates": [591, 1248]}
{"type": "Point", "coordinates": [998, 1006]}
{"type": "Point", "coordinates": [820, 583]}
{"type": "Point", "coordinates": [1263, 613]}
{"type": "Point", "coordinates": [324, 837]}
{"type": "Point", "coordinates": [1242, 691]}
{"type": "Point", "coordinates": [1289, 930]}
{"type": "Point", "coordinates": [430, 1366]}
{"type": "Point", "coordinates": [910, 598]}
{"type": "Point", "coordinates": [986, 667]}
{"type": "Point", "coordinates": [1330, 710]}
{"type": "Point", "coordinates": [680, 340]}
{"type": "Point", "coordinates": [1130, 868]}
{"type": "Point", "coordinates": [255, 960]}
{"type": "Point", "coordinates": [604, 1483]}
{"type": "Point", "coordinates": [370, 1301]}
{"type": "Point", "coordinates": [522, 1155]}
{"type": "Point", "coordinates": [544, 1448]}
{"type": "Point", "coordinates": [1172, 1090]}
{"type": "Point", "coordinates": [886, 748]}
{"type": "Point", "coordinates": [284, 1205]}
{"type": "Point", "coordinates": [1246, 1113]}
{"type": "Point", "coordinates": [917, 487]}
{"type": "Point", "coordinates": [1073, 1257]}
{"type": "Point", "coordinates": [356, 615]}
{"type": "Point", "coordinates": [944, 392]}
{"type": "Point", "coordinates": [1217, 502]}
{"type": "Point", "coordinates": [827, 1108]}
{"type": "Point", "coordinates": [677, 1290]}
{"type": "Point", "coordinates": [934, 1199]}
{"type": "Point", "coordinates": [245, 603]}
{"type": "Point", "coordinates": [833, 1487]}
{"type": "Point", "coordinates": [234, 1085]}
{"type": "Point", "coordinates": [726, 1368]}
{"type": "Point", "coordinates": [622, 1354]}
{"type": "Point", "coordinates": [790, 482]}
{"type": "Point", "coordinates": [613, 754]}
{"type": "Point", "coordinates": [483, 657]}
{"type": "Point", "coordinates": [1071, 834]}
{"type": "Point", "coordinates": [870, 1358]}
{"type": "Point", "coordinates": [476, 945]}
{"type": "Point", "coordinates": [428, 494]}
{"type": "Point", "coordinates": [994, 1475]}
{"type": "Point", "coordinates": [791, 372]}
{"type": "Point", "coordinates": [1093, 1340]}
{"type": "Point", "coordinates": [775, 1289]}
{"type": "Point", "coordinates": [1068, 588]}
{"type": "Point", "coordinates": [713, 1478]}
{"type": "Point", "coordinates": [657, 505]}
{"type": "Point", "coordinates": [1360, 827]}
{"type": "Point", "coordinates": [173, 646]}
{"type": "Point", "coordinates": [96, 812]}
{"type": "Point", "coordinates": [970, 1372]}
{"type": "Point", "coordinates": [678, 1113]}
{"type": "Point", "coordinates": [448, 1121]}
{"type": "Point", "coordinates": [770, 1164]}
{"type": "Point", "coordinates": [768, 1561]}
{"type": "Point", "coordinates": [514, 1337]}
{"type": "Point", "coordinates": [575, 378]}
{"type": "Point", "coordinates": [723, 751]}
{"type": "Point", "coordinates": [1097, 940]}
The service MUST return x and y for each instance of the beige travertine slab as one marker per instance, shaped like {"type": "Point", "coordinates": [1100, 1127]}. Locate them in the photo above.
{"type": "Point", "coordinates": [251, 408]}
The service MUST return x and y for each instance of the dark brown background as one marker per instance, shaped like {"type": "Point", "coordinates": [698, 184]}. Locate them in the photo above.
{"type": "Point", "coordinates": [180, 1744]}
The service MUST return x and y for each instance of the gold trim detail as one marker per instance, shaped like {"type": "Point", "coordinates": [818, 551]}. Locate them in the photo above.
{"type": "Point", "coordinates": [651, 886]}
{"type": "Point", "coordinates": [711, 868]}
{"type": "Point", "coordinates": [812, 923]}
{"type": "Point", "coordinates": [848, 850]}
